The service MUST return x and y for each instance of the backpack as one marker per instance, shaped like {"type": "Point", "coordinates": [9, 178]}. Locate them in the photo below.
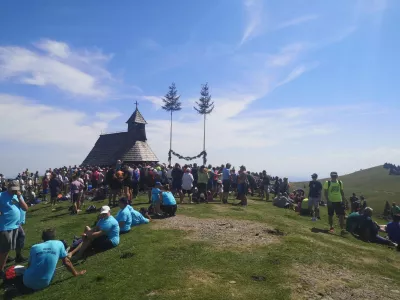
{"type": "Point", "coordinates": [340, 184]}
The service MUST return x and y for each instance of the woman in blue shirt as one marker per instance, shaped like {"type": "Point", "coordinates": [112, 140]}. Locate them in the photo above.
{"type": "Point", "coordinates": [168, 202]}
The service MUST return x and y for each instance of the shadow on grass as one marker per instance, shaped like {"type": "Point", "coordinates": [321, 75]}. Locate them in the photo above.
{"type": "Point", "coordinates": [54, 217]}
{"type": "Point", "coordinates": [326, 231]}
{"type": "Point", "coordinates": [318, 230]}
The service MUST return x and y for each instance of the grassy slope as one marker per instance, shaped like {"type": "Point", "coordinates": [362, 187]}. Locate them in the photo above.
{"type": "Point", "coordinates": [165, 265]}
{"type": "Point", "coordinates": [374, 183]}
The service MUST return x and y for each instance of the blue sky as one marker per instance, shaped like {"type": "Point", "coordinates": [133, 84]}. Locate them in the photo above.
{"type": "Point", "coordinates": [299, 86]}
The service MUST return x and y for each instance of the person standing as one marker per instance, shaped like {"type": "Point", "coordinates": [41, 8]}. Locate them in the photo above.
{"type": "Point", "coordinates": [135, 182]}
{"type": "Point", "coordinates": [314, 196]}
{"type": "Point", "coordinates": [177, 174]}
{"type": "Point", "coordinates": [334, 195]}
{"type": "Point", "coordinates": [265, 186]}
{"type": "Point", "coordinates": [202, 181]}
{"type": "Point", "coordinates": [187, 185]}
{"type": "Point", "coordinates": [55, 186]}
{"type": "Point", "coordinates": [242, 186]}
{"type": "Point", "coordinates": [226, 182]}
{"type": "Point", "coordinates": [11, 202]}
{"type": "Point", "coordinates": [76, 188]}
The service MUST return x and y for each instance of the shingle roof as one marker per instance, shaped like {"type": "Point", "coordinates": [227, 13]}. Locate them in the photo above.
{"type": "Point", "coordinates": [136, 117]}
{"type": "Point", "coordinates": [106, 149]}
{"type": "Point", "coordinates": [140, 151]}
{"type": "Point", "coordinates": [111, 147]}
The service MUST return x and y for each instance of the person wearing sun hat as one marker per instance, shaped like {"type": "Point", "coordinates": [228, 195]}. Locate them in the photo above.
{"type": "Point", "coordinates": [104, 236]}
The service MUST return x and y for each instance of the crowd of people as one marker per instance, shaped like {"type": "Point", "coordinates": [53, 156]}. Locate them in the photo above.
{"type": "Point", "coordinates": [122, 183]}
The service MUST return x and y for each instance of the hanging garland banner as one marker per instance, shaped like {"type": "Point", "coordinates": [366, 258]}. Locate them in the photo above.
{"type": "Point", "coordinates": [202, 153]}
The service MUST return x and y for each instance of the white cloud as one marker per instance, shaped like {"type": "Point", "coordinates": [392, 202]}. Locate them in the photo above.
{"type": "Point", "coordinates": [254, 10]}
{"type": "Point", "coordinates": [155, 100]}
{"type": "Point", "coordinates": [51, 136]}
{"type": "Point", "coordinates": [287, 55]}
{"type": "Point", "coordinates": [297, 72]}
{"type": "Point", "coordinates": [108, 116]}
{"type": "Point", "coordinates": [297, 21]}
{"type": "Point", "coordinates": [47, 124]}
{"type": "Point", "coordinates": [77, 73]}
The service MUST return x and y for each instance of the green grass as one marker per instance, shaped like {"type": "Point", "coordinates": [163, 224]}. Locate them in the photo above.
{"type": "Point", "coordinates": [167, 265]}
{"type": "Point", "coordinates": [375, 184]}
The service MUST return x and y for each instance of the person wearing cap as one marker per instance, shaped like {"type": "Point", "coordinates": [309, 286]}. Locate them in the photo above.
{"type": "Point", "coordinates": [11, 202]}
{"type": "Point", "coordinates": [334, 196]}
{"type": "Point", "coordinates": [187, 185]}
{"type": "Point", "coordinates": [43, 260]}
{"type": "Point", "coordinates": [314, 196]}
{"type": "Point", "coordinates": [124, 216]}
{"type": "Point", "coordinates": [104, 236]}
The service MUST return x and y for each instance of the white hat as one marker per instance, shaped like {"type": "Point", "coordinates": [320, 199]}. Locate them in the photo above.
{"type": "Point", "coordinates": [105, 209]}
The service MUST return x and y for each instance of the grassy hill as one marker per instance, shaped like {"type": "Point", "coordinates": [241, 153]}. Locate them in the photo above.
{"type": "Point", "coordinates": [216, 251]}
{"type": "Point", "coordinates": [375, 184]}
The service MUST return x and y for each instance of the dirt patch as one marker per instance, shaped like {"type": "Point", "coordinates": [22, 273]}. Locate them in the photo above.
{"type": "Point", "coordinates": [202, 277]}
{"type": "Point", "coordinates": [329, 282]}
{"type": "Point", "coordinates": [223, 232]}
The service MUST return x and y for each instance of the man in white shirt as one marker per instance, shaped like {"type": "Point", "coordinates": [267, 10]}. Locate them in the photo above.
{"type": "Point", "coordinates": [187, 185]}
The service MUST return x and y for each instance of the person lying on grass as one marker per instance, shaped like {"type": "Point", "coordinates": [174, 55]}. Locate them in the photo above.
{"type": "Point", "coordinates": [138, 218]}
{"type": "Point", "coordinates": [124, 216]}
{"type": "Point", "coordinates": [42, 263]}
{"type": "Point", "coordinates": [104, 236]}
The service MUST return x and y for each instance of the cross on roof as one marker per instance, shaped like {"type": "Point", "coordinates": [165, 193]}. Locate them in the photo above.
{"type": "Point", "coordinates": [136, 104]}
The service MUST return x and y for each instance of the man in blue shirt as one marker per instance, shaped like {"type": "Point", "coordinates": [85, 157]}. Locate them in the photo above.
{"type": "Point", "coordinates": [10, 203]}
{"type": "Point", "coordinates": [43, 261]}
{"type": "Point", "coordinates": [137, 217]}
{"type": "Point", "coordinates": [100, 238]}
{"type": "Point", "coordinates": [124, 216]}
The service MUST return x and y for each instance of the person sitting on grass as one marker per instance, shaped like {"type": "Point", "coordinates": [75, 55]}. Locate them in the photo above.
{"type": "Point", "coordinates": [393, 230]}
{"type": "Point", "coordinates": [168, 202]}
{"type": "Point", "coordinates": [104, 236]}
{"type": "Point", "coordinates": [395, 210]}
{"type": "Point", "coordinates": [353, 222]}
{"type": "Point", "coordinates": [124, 216]}
{"type": "Point", "coordinates": [42, 264]}
{"type": "Point", "coordinates": [369, 230]}
{"type": "Point", "coordinates": [137, 217]}
{"type": "Point", "coordinates": [155, 198]}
